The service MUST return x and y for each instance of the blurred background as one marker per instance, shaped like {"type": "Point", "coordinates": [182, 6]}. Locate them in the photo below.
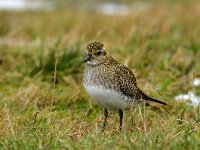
{"type": "Point", "coordinates": [158, 40]}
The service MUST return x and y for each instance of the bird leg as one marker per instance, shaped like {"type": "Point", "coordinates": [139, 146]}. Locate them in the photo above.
{"type": "Point", "coordinates": [105, 118]}
{"type": "Point", "coordinates": [121, 118]}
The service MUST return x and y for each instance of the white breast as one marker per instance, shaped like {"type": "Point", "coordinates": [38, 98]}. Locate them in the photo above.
{"type": "Point", "coordinates": [107, 98]}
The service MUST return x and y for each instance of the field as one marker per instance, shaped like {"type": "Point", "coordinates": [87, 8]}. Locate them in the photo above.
{"type": "Point", "coordinates": [43, 104]}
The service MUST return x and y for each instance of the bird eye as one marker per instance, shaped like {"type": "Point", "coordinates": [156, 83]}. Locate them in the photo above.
{"type": "Point", "coordinates": [98, 53]}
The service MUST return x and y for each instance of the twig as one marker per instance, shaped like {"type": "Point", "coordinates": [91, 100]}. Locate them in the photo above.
{"type": "Point", "coordinates": [53, 90]}
{"type": "Point", "coordinates": [9, 120]}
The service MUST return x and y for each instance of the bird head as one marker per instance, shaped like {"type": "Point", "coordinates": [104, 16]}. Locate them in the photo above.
{"type": "Point", "coordinates": [96, 53]}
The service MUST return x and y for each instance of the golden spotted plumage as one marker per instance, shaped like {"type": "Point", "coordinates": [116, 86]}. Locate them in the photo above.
{"type": "Point", "coordinates": [105, 78]}
{"type": "Point", "coordinates": [94, 47]}
{"type": "Point", "coordinates": [113, 75]}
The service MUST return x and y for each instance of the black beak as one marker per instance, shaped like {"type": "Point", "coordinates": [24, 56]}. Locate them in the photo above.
{"type": "Point", "coordinates": [88, 58]}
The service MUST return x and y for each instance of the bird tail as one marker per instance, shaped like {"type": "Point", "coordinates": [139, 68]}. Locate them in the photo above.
{"type": "Point", "coordinates": [153, 100]}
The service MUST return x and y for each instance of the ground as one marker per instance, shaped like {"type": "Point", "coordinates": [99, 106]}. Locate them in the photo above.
{"type": "Point", "coordinates": [43, 104]}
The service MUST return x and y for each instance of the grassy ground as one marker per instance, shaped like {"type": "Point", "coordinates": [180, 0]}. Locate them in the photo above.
{"type": "Point", "coordinates": [41, 108]}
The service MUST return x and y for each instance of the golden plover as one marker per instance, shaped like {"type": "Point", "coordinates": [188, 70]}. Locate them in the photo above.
{"type": "Point", "coordinates": [111, 84]}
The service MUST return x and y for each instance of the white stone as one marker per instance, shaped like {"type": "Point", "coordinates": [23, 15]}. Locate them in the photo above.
{"type": "Point", "coordinates": [190, 96]}
{"type": "Point", "coordinates": [196, 82]}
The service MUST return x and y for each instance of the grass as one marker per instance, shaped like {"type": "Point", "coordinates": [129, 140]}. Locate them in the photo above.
{"type": "Point", "coordinates": [39, 110]}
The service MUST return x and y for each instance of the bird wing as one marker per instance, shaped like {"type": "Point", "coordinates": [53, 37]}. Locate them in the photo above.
{"type": "Point", "coordinates": [127, 82]}
{"type": "Point", "coordinates": [128, 86]}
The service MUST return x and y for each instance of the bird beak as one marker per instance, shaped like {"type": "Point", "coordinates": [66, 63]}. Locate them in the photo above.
{"type": "Point", "coordinates": [88, 58]}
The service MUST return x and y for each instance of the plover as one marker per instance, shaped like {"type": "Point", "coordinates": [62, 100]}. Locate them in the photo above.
{"type": "Point", "coordinates": [111, 84]}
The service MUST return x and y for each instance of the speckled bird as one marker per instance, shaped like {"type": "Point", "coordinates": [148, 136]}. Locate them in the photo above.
{"type": "Point", "coordinates": [111, 84]}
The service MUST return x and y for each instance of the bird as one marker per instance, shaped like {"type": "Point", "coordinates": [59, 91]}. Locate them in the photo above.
{"type": "Point", "coordinates": [110, 84]}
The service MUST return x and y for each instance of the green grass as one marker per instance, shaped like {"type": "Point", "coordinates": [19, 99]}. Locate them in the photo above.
{"type": "Point", "coordinates": [44, 109]}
